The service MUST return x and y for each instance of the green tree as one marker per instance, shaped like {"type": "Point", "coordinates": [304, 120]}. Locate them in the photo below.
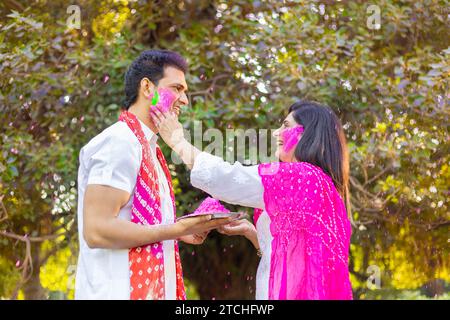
{"type": "Point", "coordinates": [248, 61]}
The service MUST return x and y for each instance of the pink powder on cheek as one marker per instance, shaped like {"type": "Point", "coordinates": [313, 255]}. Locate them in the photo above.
{"type": "Point", "coordinates": [166, 99]}
{"type": "Point", "coordinates": [291, 136]}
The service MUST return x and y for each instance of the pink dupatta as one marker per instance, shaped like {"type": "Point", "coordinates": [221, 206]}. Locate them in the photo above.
{"type": "Point", "coordinates": [311, 233]}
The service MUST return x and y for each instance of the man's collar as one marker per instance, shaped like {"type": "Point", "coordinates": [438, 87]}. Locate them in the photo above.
{"type": "Point", "coordinates": [149, 134]}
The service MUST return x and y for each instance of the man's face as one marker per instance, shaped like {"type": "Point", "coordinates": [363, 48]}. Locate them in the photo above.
{"type": "Point", "coordinates": [175, 81]}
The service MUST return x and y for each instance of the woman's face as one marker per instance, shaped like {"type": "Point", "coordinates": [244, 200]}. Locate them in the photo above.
{"type": "Point", "coordinates": [287, 139]}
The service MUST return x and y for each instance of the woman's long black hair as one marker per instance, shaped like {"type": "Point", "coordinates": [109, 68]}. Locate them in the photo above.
{"type": "Point", "coordinates": [323, 143]}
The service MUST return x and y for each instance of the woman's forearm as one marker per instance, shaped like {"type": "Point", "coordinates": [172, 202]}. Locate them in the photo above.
{"type": "Point", "coordinates": [186, 151]}
{"type": "Point", "coordinates": [251, 235]}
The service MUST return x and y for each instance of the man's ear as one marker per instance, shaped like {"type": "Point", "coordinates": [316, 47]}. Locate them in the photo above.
{"type": "Point", "coordinates": [147, 87]}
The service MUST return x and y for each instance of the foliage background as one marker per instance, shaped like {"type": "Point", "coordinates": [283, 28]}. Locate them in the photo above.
{"type": "Point", "coordinates": [248, 61]}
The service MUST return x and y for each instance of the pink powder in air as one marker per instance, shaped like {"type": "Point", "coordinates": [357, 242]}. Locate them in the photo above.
{"type": "Point", "coordinates": [291, 136]}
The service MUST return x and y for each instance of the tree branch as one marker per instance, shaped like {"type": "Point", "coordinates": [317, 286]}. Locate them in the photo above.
{"type": "Point", "coordinates": [375, 177]}
{"type": "Point", "coordinates": [4, 212]}
{"type": "Point", "coordinates": [25, 238]}
{"type": "Point", "coordinates": [211, 86]}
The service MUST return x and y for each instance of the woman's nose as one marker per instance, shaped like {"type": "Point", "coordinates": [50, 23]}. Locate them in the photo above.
{"type": "Point", "coordinates": [276, 133]}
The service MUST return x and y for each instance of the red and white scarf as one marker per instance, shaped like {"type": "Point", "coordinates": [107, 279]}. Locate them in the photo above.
{"type": "Point", "coordinates": [147, 262]}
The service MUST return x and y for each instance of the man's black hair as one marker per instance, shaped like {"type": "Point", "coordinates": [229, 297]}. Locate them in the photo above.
{"type": "Point", "coordinates": [150, 64]}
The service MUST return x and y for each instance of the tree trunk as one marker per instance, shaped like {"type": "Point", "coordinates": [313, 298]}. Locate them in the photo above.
{"type": "Point", "coordinates": [33, 289]}
{"type": "Point", "coordinates": [434, 288]}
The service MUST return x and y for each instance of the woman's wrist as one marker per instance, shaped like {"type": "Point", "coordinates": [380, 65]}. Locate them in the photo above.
{"type": "Point", "coordinates": [251, 235]}
{"type": "Point", "coordinates": [177, 144]}
{"type": "Point", "coordinates": [186, 151]}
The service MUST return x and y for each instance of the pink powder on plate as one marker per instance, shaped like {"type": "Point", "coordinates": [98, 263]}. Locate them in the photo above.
{"type": "Point", "coordinates": [208, 206]}
{"type": "Point", "coordinates": [211, 205]}
{"type": "Point", "coordinates": [291, 136]}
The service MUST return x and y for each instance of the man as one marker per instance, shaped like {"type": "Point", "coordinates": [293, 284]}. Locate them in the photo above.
{"type": "Point", "coordinates": [126, 211]}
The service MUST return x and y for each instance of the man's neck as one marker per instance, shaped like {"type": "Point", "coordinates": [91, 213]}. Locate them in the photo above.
{"type": "Point", "coordinates": [141, 113]}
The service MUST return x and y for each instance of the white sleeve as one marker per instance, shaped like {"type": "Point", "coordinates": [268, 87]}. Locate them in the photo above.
{"type": "Point", "coordinates": [232, 183]}
{"type": "Point", "coordinates": [115, 163]}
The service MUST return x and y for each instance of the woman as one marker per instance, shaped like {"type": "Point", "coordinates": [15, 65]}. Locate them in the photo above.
{"type": "Point", "coordinates": [302, 227]}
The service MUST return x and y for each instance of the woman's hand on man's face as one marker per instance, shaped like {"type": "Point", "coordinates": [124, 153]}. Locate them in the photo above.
{"type": "Point", "coordinates": [169, 128]}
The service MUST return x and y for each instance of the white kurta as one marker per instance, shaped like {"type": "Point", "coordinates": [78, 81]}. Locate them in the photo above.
{"type": "Point", "coordinates": [240, 185]}
{"type": "Point", "coordinates": [113, 158]}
